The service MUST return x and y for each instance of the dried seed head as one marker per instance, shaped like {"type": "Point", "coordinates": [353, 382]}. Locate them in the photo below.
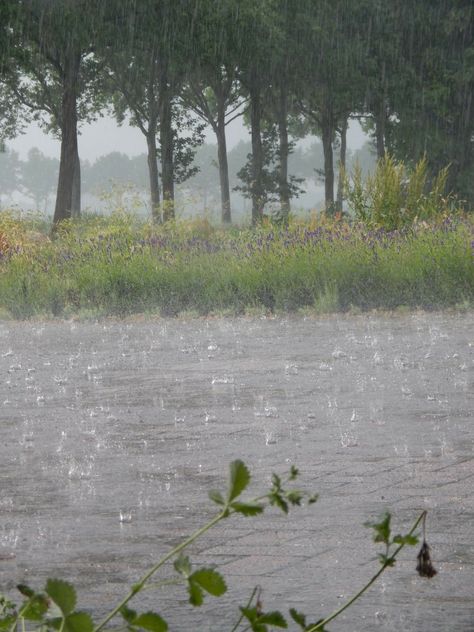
{"type": "Point", "coordinates": [425, 567]}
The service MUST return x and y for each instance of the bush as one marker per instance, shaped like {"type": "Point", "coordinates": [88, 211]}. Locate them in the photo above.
{"type": "Point", "coordinates": [396, 195]}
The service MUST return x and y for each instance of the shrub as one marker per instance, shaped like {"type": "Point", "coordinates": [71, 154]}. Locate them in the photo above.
{"type": "Point", "coordinates": [396, 195]}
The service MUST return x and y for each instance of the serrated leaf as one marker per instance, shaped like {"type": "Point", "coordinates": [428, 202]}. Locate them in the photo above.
{"type": "Point", "coordinates": [247, 509]}
{"type": "Point", "coordinates": [276, 499]}
{"type": "Point", "coordinates": [78, 622]}
{"type": "Point", "coordinates": [295, 497]}
{"type": "Point", "coordinates": [128, 614]}
{"type": "Point", "coordinates": [63, 594]}
{"type": "Point", "coordinates": [183, 565]}
{"type": "Point", "coordinates": [239, 479]}
{"type": "Point", "coordinates": [151, 621]}
{"type": "Point", "coordinates": [276, 481]}
{"type": "Point", "coordinates": [35, 608]}
{"type": "Point", "coordinates": [386, 560]}
{"type": "Point", "coordinates": [298, 617]}
{"type": "Point", "coordinates": [210, 580]}
{"type": "Point", "coordinates": [216, 497]}
{"type": "Point", "coordinates": [382, 529]}
{"type": "Point", "coordinates": [249, 613]}
{"type": "Point", "coordinates": [196, 595]}
{"type": "Point", "coordinates": [273, 618]}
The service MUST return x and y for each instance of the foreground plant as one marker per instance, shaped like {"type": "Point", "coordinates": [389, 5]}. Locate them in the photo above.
{"type": "Point", "coordinates": [54, 608]}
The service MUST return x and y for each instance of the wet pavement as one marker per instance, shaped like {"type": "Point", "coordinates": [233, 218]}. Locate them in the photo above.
{"type": "Point", "coordinates": [113, 433]}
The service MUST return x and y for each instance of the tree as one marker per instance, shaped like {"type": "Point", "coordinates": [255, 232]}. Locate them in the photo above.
{"type": "Point", "coordinates": [10, 117]}
{"type": "Point", "coordinates": [212, 89]}
{"type": "Point", "coordinates": [330, 84]}
{"type": "Point", "coordinates": [53, 79]}
{"type": "Point", "coordinates": [435, 111]}
{"type": "Point", "coordinates": [145, 73]}
{"type": "Point", "coordinates": [260, 37]}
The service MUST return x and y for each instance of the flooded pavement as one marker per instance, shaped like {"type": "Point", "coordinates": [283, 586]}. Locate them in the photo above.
{"type": "Point", "coordinates": [113, 433]}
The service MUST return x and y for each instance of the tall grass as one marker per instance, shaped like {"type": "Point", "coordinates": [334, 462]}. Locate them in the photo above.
{"type": "Point", "coordinates": [397, 195]}
{"type": "Point", "coordinates": [120, 266]}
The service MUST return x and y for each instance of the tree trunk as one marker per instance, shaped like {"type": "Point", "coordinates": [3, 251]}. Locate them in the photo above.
{"type": "Point", "coordinates": [257, 156]}
{"type": "Point", "coordinates": [67, 164]}
{"type": "Point", "coordinates": [327, 138]}
{"type": "Point", "coordinates": [166, 143]}
{"type": "Point", "coordinates": [153, 175]}
{"type": "Point", "coordinates": [76, 189]}
{"type": "Point", "coordinates": [342, 164]}
{"type": "Point", "coordinates": [223, 164]}
{"type": "Point", "coordinates": [381, 117]}
{"type": "Point", "coordinates": [284, 189]}
{"type": "Point", "coordinates": [380, 130]}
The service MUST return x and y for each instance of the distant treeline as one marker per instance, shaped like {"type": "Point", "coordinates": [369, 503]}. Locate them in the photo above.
{"type": "Point", "coordinates": [290, 67]}
{"type": "Point", "coordinates": [116, 176]}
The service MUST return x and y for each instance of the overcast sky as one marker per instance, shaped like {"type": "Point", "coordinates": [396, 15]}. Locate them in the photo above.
{"type": "Point", "coordinates": [104, 136]}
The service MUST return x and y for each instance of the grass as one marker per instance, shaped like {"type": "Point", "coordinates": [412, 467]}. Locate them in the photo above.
{"type": "Point", "coordinates": [121, 266]}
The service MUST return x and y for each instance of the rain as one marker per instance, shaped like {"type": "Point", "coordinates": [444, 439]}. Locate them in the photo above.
{"type": "Point", "coordinates": [242, 235]}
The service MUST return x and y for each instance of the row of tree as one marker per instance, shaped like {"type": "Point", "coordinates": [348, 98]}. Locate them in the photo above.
{"type": "Point", "coordinates": [292, 67]}
{"type": "Point", "coordinates": [116, 173]}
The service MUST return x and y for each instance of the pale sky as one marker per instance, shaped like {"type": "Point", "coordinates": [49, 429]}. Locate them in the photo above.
{"type": "Point", "coordinates": [104, 136]}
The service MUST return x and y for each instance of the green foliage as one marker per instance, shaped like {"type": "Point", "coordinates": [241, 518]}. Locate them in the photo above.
{"type": "Point", "coordinates": [63, 595]}
{"type": "Point", "coordinates": [119, 265]}
{"type": "Point", "coordinates": [383, 534]}
{"type": "Point", "coordinates": [54, 609]}
{"type": "Point", "coordinates": [395, 195]}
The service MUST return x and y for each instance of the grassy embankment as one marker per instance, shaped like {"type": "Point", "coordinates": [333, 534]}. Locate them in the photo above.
{"type": "Point", "coordinates": [119, 266]}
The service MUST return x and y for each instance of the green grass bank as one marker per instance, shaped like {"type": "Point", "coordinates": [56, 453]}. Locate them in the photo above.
{"type": "Point", "coordinates": [120, 266]}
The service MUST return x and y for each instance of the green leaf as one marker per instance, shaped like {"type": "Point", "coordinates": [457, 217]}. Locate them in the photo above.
{"type": "Point", "coordinates": [294, 472]}
{"type": "Point", "coordinates": [276, 481]}
{"type": "Point", "coordinates": [250, 614]}
{"type": "Point", "coordinates": [247, 509]}
{"type": "Point", "coordinates": [216, 497]}
{"type": "Point", "coordinates": [382, 529]}
{"type": "Point", "coordinates": [78, 622]}
{"type": "Point", "coordinates": [63, 594]}
{"type": "Point", "coordinates": [56, 622]}
{"type": "Point", "coordinates": [298, 617]}
{"type": "Point", "coordinates": [239, 479]}
{"type": "Point", "coordinates": [128, 614]}
{"type": "Point", "coordinates": [35, 608]}
{"type": "Point", "coordinates": [210, 580]}
{"type": "Point", "coordinates": [295, 497]}
{"type": "Point", "coordinates": [183, 565]}
{"type": "Point", "coordinates": [386, 560]}
{"type": "Point", "coordinates": [196, 595]}
{"type": "Point", "coordinates": [25, 590]}
{"type": "Point", "coordinates": [7, 622]}
{"type": "Point", "coordinates": [277, 499]}
{"type": "Point", "coordinates": [151, 621]}
{"type": "Point", "coordinates": [312, 499]}
{"type": "Point", "coordinates": [273, 618]}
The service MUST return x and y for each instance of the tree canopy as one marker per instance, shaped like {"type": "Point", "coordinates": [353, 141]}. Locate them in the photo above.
{"type": "Point", "coordinates": [405, 67]}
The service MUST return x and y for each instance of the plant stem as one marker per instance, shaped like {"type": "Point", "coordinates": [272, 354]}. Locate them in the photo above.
{"type": "Point", "coordinates": [254, 592]}
{"type": "Point", "coordinates": [177, 549]}
{"type": "Point", "coordinates": [388, 562]}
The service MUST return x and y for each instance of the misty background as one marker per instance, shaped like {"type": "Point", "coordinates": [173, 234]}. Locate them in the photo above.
{"type": "Point", "coordinates": [114, 170]}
